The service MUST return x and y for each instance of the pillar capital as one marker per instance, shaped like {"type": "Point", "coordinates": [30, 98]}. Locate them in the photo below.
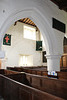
{"type": "Point", "coordinates": [53, 62]}
{"type": "Point", "coordinates": [53, 56]}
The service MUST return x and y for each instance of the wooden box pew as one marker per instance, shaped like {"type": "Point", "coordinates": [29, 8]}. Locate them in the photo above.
{"type": "Point", "coordinates": [10, 68]}
{"type": "Point", "coordinates": [2, 71]}
{"type": "Point", "coordinates": [53, 86]}
{"type": "Point", "coordinates": [15, 68]}
{"type": "Point", "coordinates": [56, 87]}
{"type": "Point", "coordinates": [19, 69]}
{"type": "Point", "coordinates": [62, 75]}
{"type": "Point", "coordinates": [28, 71]}
{"type": "Point", "coordinates": [31, 71]}
{"type": "Point", "coordinates": [36, 72]}
{"type": "Point", "coordinates": [13, 90]}
{"type": "Point", "coordinates": [64, 69]}
{"type": "Point", "coordinates": [7, 72]}
{"type": "Point", "coordinates": [35, 68]}
{"type": "Point", "coordinates": [23, 67]}
{"type": "Point", "coordinates": [19, 77]}
{"type": "Point", "coordinates": [44, 73]}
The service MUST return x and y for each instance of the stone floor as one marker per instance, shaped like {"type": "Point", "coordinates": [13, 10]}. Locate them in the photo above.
{"type": "Point", "coordinates": [1, 98]}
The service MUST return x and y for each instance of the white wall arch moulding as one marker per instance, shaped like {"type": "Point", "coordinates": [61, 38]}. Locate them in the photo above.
{"type": "Point", "coordinates": [40, 20]}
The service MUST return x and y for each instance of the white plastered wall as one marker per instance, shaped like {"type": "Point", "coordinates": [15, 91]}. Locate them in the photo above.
{"type": "Point", "coordinates": [20, 46]}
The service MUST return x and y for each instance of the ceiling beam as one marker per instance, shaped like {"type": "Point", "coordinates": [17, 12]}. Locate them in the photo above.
{"type": "Point", "coordinates": [62, 4]}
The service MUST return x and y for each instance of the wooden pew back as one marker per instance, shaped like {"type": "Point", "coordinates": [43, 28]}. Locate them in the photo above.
{"type": "Point", "coordinates": [60, 75]}
{"type": "Point", "coordinates": [12, 90]}
{"type": "Point", "coordinates": [7, 72]}
{"type": "Point", "coordinates": [53, 86]}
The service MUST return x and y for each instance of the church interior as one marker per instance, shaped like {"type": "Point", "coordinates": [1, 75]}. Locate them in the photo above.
{"type": "Point", "coordinates": [33, 50]}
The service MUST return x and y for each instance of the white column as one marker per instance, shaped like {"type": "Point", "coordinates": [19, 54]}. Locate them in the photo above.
{"type": "Point", "coordinates": [53, 62]}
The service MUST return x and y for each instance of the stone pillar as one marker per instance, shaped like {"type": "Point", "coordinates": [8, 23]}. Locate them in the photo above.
{"type": "Point", "coordinates": [53, 62]}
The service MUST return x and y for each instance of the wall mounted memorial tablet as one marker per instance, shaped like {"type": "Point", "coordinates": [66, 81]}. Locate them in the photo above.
{"type": "Point", "coordinates": [58, 25]}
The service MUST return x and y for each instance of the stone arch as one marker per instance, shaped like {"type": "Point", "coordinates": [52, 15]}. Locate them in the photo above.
{"type": "Point", "coordinates": [38, 19]}
{"type": "Point", "coordinates": [53, 58]}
